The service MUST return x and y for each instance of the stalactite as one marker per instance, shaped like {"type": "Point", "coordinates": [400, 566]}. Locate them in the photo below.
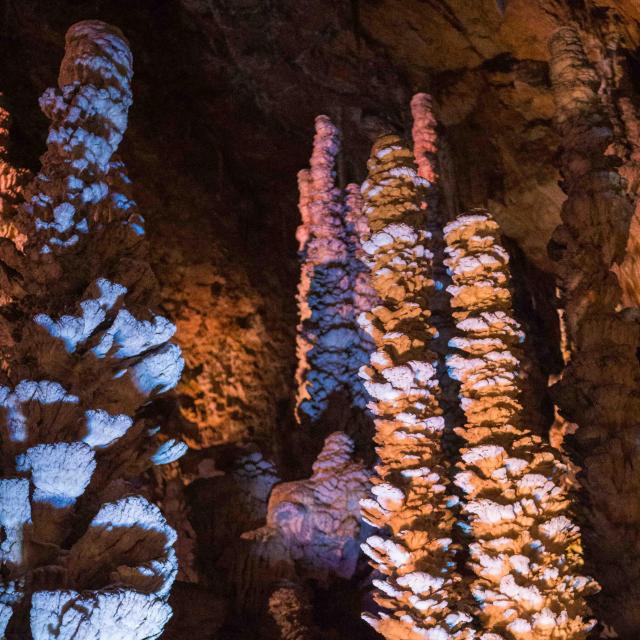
{"type": "Point", "coordinates": [524, 550]}
{"type": "Point", "coordinates": [418, 584]}
{"type": "Point", "coordinates": [88, 354]}
{"type": "Point", "coordinates": [598, 389]}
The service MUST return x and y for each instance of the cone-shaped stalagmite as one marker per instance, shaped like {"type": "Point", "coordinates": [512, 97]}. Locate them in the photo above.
{"type": "Point", "coordinates": [417, 586]}
{"type": "Point", "coordinates": [525, 551]}
{"type": "Point", "coordinates": [86, 353]}
{"type": "Point", "coordinates": [333, 283]}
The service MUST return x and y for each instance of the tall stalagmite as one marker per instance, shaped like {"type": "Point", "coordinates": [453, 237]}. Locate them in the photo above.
{"type": "Point", "coordinates": [333, 283]}
{"type": "Point", "coordinates": [324, 332]}
{"type": "Point", "coordinates": [417, 586]}
{"type": "Point", "coordinates": [87, 354]}
{"type": "Point", "coordinates": [599, 387]}
{"type": "Point", "coordinates": [525, 551]}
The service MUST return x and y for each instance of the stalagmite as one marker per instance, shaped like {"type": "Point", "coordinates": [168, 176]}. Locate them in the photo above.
{"type": "Point", "coordinates": [333, 283]}
{"type": "Point", "coordinates": [598, 388]}
{"type": "Point", "coordinates": [87, 355]}
{"type": "Point", "coordinates": [524, 551]}
{"type": "Point", "coordinates": [417, 586]}
{"type": "Point", "coordinates": [425, 151]}
{"type": "Point", "coordinates": [324, 332]}
{"type": "Point", "coordinates": [314, 523]}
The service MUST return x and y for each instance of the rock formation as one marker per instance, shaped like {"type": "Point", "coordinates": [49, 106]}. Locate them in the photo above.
{"type": "Point", "coordinates": [597, 390]}
{"type": "Point", "coordinates": [12, 181]}
{"type": "Point", "coordinates": [314, 524]}
{"type": "Point", "coordinates": [291, 611]}
{"type": "Point", "coordinates": [524, 549]}
{"type": "Point", "coordinates": [82, 557]}
{"type": "Point", "coordinates": [333, 283]}
{"type": "Point", "coordinates": [418, 586]}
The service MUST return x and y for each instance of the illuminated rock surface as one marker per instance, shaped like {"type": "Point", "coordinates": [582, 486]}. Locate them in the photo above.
{"type": "Point", "coordinates": [225, 98]}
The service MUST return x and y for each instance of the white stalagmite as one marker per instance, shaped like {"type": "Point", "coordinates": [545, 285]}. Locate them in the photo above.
{"type": "Point", "coordinates": [90, 354]}
{"type": "Point", "coordinates": [417, 586]}
{"type": "Point", "coordinates": [525, 550]}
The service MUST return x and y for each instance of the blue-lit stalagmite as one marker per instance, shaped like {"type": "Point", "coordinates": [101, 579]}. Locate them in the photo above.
{"type": "Point", "coordinates": [87, 353]}
{"type": "Point", "coordinates": [333, 286]}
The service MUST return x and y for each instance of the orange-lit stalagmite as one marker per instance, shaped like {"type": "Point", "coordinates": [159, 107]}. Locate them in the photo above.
{"type": "Point", "coordinates": [417, 586]}
{"type": "Point", "coordinates": [524, 550]}
{"type": "Point", "coordinates": [599, 387]}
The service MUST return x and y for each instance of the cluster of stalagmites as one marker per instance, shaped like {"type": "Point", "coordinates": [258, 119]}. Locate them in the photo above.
{"type": "Point", "coordinates": [524, 580]}
{"type": "Point", "coordinates": [524, 548]}
{"type": "Point", "coordinates": [82, 556]}
{"type": "Point", "coordinates": [333, 285]}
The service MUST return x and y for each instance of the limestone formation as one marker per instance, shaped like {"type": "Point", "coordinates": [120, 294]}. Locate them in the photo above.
{"type": "Point", "coordinates": [86, 355]}
{"type": "Point", "coordinates": [524, 548]}
{"type": "Point", "coordinates": [417, 586]}
{"type": "Point", "coordinates": [291, 611]}
{"type": "Point", "coordinates": [333, 284]}
{"type": "Point", "coordinates": [598, 388]}
{"type": "Point", "coordinates": [364, 296]}
{"type": "Point", "coordinates": [314, 524]}
{"type": "Point", "coordinates": [12, 182]}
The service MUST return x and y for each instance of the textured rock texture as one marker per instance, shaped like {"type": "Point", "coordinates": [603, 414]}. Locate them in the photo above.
{"type": "Point", "coordinates": [597, 390]}
{"type": "Point", "coordinates": [226, 96]}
